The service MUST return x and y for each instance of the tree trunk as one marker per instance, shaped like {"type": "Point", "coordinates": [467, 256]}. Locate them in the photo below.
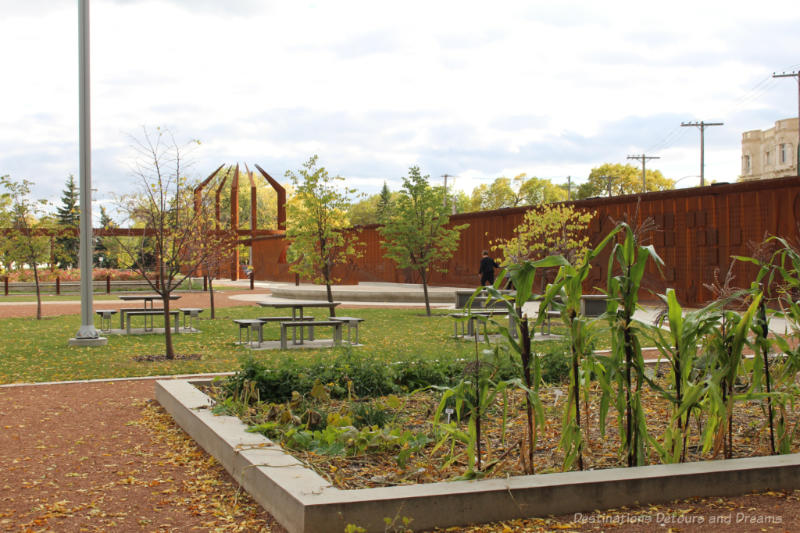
{"type": "Point", "coordinates": [167, 330]}
{"type": "Point", "coordinates": [326, 272]}
{"type": "Point", "coordinates": [211, 295]}
{"type": "Point", "coordinates": [38, 292]}
{"type": "Point", "coordinates": [424, 275]}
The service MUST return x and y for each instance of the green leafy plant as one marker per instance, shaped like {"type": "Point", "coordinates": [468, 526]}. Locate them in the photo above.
{"type": "Point", "coordinates": [564, 295]}
{"type": "Point", "coordinates": [686, 388]}
{"type": "Point", "coordinates": [625, 365]}
{"type": "Point", "coordinates": [522, 276]}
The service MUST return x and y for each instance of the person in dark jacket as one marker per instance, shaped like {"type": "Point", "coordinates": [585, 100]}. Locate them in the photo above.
{"type": "Point", "coordinates": [486, 270]}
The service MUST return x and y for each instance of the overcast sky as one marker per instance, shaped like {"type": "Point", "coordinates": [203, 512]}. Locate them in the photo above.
{"type": "Point", "coordinates": [471, 89]}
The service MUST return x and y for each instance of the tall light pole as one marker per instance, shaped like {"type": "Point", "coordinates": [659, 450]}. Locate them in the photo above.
{"type": "Point", "coordinates": [87, 334]}
{"type": "Point", "coordinates": [702, 125]}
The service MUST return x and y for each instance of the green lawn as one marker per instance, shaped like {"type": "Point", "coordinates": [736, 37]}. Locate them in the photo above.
{"type": "Point", "coordinates": [37, 351]}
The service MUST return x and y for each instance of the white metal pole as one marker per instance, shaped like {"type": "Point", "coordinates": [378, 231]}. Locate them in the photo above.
{"type": "Point", "coordinates": [87, 334]}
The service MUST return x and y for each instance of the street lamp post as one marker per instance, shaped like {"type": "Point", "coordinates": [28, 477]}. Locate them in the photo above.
{"type": "Point", "coordinates": [87, 334]}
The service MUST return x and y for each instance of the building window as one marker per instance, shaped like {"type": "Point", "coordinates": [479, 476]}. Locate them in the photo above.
{"type": "Point", "coordinates": [767, 158]}
{"type": "Point", "coordinates": [746, 165]}
{"type": "Point", "coordinates": [786, 154]}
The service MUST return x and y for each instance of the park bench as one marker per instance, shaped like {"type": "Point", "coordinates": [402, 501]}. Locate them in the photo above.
{"type": "Point", "coordinates": [546, 323]}
{"type": "Point", "coordinates": [302, 324]}
{"type": "Point", "coordinates": [248, 324]}
{"type": "Point", "coordinates": [105, 318]}
{"type": "Point", "coordinates": [266, 319]}
{"type": "Point", "coordinates": [191, 313]}
{"type": "Point", "coordinates": [124, 311]}
{"type": "Point", "coordinates": [352, 325]}
{"type": "Point", "coordinates": [130, 313]}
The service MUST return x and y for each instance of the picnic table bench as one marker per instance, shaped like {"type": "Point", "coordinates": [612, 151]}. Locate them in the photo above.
{"type": "Point", "coordinates": [105, 318]}
{"type": "Point", "coordinates": [130, 313]}
{"type": "Point", "coordinates": [248, 324]}
{"type": "Point", "coordinates": [190, 312]}
{"type": "Point", "coordinates": [266, 319]}
{"type": "Point", "coordinates": [302, 324]}
{"type": "Point", "coordinates": [352, 324]}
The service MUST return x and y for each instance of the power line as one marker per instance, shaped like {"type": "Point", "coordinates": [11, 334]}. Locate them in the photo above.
{"type": "Point", "coordinates": [643, 158]}
{"type": "Point", "coordinates": [702, 125]}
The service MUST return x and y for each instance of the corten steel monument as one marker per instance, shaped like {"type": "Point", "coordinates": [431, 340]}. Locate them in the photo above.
{"type": "Point", "coordinates": [254, 233]}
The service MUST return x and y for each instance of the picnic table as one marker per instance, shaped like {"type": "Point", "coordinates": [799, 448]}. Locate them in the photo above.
{"type": "Point", "coordinates": [297, 319]}
{"type": "Point", "coordinates": [299, 306]}
{"type": "Point", "coordinates": [480, 315]}
{"type": "Point", "coordinates": [147, 298]}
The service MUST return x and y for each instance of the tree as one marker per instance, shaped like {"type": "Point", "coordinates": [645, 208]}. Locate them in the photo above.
{"type": "Point", "coordinates": [317, 223]}
{"type": "Point", "coordinates": [624, 179]}
{"type": "Point", "coordinates": [68, 216]}
{"type": "Point", "coordinates": [535, 191]}
{"type": "Point", "coordinates": [103, 254]}
{"type": "Point", "coordinates": [548, 230]}
{"type": "Point", "coordinates": [521, 190]}
{"type": "Point", "coordinates": [462, 202]}
{"type": "Point", "coordinates": [213, 252]}
{"type": "Point", "coordinates": [164, 210]}
{"type": "Point", "coordinates": [385, 201]}
{"type": "Point", "coordinates": [415, 234]}
{"type": "Point", "coordinates": [365, 212]}
{"type": "Point", "coordinates": [27, 243]}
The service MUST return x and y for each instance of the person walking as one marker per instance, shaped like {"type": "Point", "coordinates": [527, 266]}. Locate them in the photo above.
{"type": "Point", "coordinates": [486, 269]}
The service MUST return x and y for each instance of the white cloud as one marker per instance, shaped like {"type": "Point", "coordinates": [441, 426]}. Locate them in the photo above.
{"type": "Point", "coordinates": [551, 89]}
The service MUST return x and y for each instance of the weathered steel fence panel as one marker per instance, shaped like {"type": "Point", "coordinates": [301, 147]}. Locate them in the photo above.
{"type": "Point", "coordinates": [698, 231]}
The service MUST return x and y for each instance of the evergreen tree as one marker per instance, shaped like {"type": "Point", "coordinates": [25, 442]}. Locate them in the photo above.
{"type": "Point", "coordinates": [103, 256]}
{"type": "Point", "coordinates": [384, 202]}
{"type": "Point", "coordinates": [68, 215]}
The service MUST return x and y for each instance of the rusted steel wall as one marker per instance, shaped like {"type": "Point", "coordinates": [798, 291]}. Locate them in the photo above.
{"type": "Point", "coordinates": [698, 230]}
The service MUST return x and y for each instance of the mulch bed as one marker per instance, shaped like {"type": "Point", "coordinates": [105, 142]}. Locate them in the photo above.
{"type": "Point", "coordinates": [504, 446]}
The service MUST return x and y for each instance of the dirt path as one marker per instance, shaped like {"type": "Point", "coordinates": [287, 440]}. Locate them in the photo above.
{"type": "Point", "coordinates": [105, 457]}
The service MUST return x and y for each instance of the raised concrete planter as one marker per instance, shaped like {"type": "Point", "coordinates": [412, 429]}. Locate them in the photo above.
{"type": "Point", "coordinates": [302, 501]}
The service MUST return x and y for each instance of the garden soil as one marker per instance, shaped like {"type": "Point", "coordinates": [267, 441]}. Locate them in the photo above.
{"type": "Point", "coordinates": [103, 456]}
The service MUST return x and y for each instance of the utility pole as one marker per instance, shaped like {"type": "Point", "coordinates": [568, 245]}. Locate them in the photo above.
{"type": "Point", "coordinates": [569, 188]}
{"type": "Point", "coordinates": [643, 158]}
{"type": "Point", "coordinates": [702, 125]}
{"type": "Point", "coordinates": [795, 74]}
{"type": "Point", "coordinates": [445, 176]}
{"type": "Point", "coordinates": [608, 183]}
